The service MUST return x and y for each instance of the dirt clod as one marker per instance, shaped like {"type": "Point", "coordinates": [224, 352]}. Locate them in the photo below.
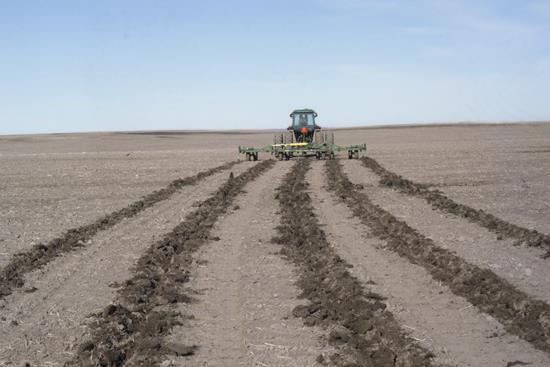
{"type": "Point", "coordinates": [517, 363]}
{"type": "Point", "coordinates": [180, 349]}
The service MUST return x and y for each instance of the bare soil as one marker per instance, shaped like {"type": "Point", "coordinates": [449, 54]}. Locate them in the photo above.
{"type": "Point", "coordinates": [522, 314]}
{"type": "Point", "coordinates": [171, 261]}
{"type": "Point", "coordinates": [242, 314]}
{"type": "Point", "coordinates": [524, 267]}
{"type": "Point", "coordinates": [502, 169]}
{"type": "Point", "coordinates": [438, 200]}
{"type": "Point", "coordinates": [143, 308]}
{"type": "Point", "coordinates": [362, 327]}
{"type": "Point", "coordinates": [40, 254]}
{"type": "Point", "coordinates": [60, 296]}
{"type": "Point", "coordinates": [457, 333]}
{"type": "Point", "coordinates": [51, 183]}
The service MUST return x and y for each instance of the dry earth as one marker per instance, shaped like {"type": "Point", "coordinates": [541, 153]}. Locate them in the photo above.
{"type": "Point", "coordinates": [226, 274]}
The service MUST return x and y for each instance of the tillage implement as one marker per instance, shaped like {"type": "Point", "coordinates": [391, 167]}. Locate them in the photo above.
{"type": "Point", "coordinates": [303, 138]}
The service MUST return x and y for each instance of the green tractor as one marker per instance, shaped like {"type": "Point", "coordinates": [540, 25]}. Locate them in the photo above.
{"type": "Point", "coordinates": [303, 138]}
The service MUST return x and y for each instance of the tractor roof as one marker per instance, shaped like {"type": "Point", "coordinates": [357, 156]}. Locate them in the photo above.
{"type": "Point", "coordinates": [303, 110]}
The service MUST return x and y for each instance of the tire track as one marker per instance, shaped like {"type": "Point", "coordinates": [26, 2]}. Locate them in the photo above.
{"type": "Point", "coordinates": [59, 296]}
{"type": "Point", "coordinates": [131, 331]}
{"type": "Point", "coordinates": [438, 200]}
{"type": "Point", "coordinates": [11, 276]}
{"type": "Point", "coordinates": [448, 325]}
{"type": "Point", "coordinates": [363, 330]}
{"type": "Point", "coordinates": [246, 292]}
{"type": "Point", "coordinates": [521, 315]}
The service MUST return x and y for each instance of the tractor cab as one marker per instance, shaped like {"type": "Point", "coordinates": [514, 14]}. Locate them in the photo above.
{"type": "Point", "coordinates": [303, 125]}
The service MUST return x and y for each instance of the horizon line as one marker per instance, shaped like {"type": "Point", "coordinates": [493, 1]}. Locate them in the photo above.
{"type": "Point", "coordinates": [252, 131]}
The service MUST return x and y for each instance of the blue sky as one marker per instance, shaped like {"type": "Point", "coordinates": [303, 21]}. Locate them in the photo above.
{"type": "Point", "coordinates": [135, 65]}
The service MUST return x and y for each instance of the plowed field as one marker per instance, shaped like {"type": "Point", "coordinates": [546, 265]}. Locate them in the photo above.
{"type": "Point", "coordinates": [164, 249]}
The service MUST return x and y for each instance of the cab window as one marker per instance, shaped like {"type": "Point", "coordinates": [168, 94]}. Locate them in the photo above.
{"type": "Point", "coordinates": [302, 119]}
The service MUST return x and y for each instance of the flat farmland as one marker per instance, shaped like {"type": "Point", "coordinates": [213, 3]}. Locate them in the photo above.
{"type": "Point", "coordinates": [168, 249]}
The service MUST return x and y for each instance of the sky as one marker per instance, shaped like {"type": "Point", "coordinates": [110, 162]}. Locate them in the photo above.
{"type": "Point", "coordinates": [104, 65]}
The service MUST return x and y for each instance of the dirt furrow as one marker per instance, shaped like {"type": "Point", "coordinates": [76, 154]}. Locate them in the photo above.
{"type": "Point", "coordinates": [363, 330]}
{"type": "Point", "coordinates": [521, 314]}
{"type": "Point", "coordinates": [11, 275]}
{"type": "Point", "coordinates": [522, 267]}
{"type": "Point", "coordinates": [242, 315]}
{"type": "Point", "coordinates": [437, 199]}
{"type": "Point", "coordinates": [448, 325]}
{"type": "Point", "coordinates": [50, 310]}
{"type": "Point", "coordinates": [131, 331]}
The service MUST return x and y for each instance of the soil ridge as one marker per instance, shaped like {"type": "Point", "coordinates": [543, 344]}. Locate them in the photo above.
{"type": "Point", "coordinates": [132, 329]}
{"type": "Point", "coordinates": [12, 275]}
{"type": "Point", "coordinates": [362, 328]}
{"type": "Point", "coordinates": [521, 314]}
{"type": "Point", "coordinates": [438, 200]}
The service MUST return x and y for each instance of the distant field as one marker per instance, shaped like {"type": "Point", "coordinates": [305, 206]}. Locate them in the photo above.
{"type": "Point", "coordinates": [433, 252]}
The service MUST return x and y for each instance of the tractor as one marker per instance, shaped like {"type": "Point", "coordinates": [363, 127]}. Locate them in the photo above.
{"type": "Point", "coordinates": [303, 138]}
